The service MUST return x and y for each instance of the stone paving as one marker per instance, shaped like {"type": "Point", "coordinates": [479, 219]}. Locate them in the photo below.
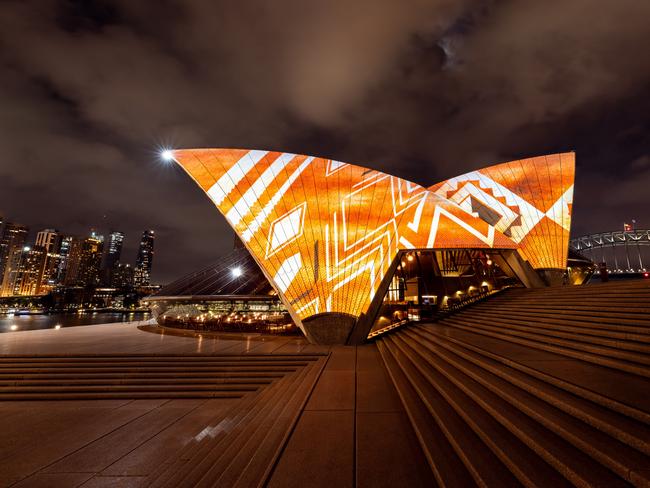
{"type": "Point", "coordinates": [352, 430]}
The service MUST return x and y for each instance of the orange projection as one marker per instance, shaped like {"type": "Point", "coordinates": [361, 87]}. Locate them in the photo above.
{"type": "Point", "coordinates": [325, 232]}
{"type": "Point", "coordinates": [529, 200]}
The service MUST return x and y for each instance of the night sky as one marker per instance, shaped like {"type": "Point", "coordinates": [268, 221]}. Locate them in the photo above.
{"type": "Point", "coordinates": [425, 90]}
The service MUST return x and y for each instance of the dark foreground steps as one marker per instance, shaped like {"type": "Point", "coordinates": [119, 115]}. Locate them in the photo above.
{"type": "Point", "coordinates": [500, 399]}
{"type": "Point", "coordinates": [607, 324]}
{"type": "Point", "coordinates": [144, 376]}
{"type": "Point", "coordinates": [240, 447]}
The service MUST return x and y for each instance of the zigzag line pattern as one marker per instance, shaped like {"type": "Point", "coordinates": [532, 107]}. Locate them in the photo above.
{"type": "Point", "coordinates": [325, 232]}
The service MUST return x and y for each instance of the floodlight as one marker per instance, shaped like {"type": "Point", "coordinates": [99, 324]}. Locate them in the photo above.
{"type": "Point", "coordinates": [167, 155]}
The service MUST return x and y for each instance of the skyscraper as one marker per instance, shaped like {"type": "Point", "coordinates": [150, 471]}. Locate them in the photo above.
{"type": "Point", "coordinates": [144, 260]}
{"type": "Point", "coordinates": [82, 262]}
{"type": "Point", "coordinates": [122, 276]}
{"type": "Point", "coordinates": [12, 240]}
{"type": "Point", "coordinates": [96, 235]}
{"type": "Point", "coordinates": [111, 257]}
{"type": "Point", "coordinates": [114, 249]}
{"type": "Point", "coordinates": [50, 241]}
{"type": "Point", "coordinates": [64, 252]}
{"type": "Point", "coordinates": [24, 272]}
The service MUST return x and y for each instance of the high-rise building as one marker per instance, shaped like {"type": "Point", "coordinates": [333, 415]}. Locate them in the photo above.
{"type": "Point", "coordinates": [24, 272]}
{"type": "Point", "coordinates": [96, 235]}
{"type": "Point", "coordinates": [111, 257]}
{"type": "Point", "coordinates": [82, 262]}
{"type": "Point", "coordinates": [122, 276]}
{"type": "Point", "coordinates": [64, 252]}
{"type": "Point", "coordinates": [50, 241]}
{"type": "Point", "coordinates": [12, 240]}
{"type": "Point", "coordinates": [144, 260]}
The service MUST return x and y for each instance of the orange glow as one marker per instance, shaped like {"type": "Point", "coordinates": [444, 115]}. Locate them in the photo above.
{"type": "Point", "coordinates": [325, 232]}
{"type": "Point", "coordinates": [529, 200]}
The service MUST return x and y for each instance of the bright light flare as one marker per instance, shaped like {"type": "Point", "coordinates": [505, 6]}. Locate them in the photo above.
{"type": "Point", "coordinates": [236, 272]}
{"type": "Point", "coordinates": [167, 155]}
{"type": "Point", "coordinates": [14, 327]}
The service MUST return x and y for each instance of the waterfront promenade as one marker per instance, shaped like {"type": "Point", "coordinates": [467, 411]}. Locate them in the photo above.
{"type": "Point", "coordinates": [544, 387]}
{"type": "Point", "coordinates": [342, 419]}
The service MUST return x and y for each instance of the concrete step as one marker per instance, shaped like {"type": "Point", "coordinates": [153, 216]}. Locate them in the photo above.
{"type": "Point", "coordinates": [254, 460]}
{"type": "Point", "coordinates": [612, 389]}
{"type": "Point", "coordinates": [154, 369]}
{"type": "Point", "coordinates": [609, 310]}
{"type": "Point", "coordinates": [485, 467]}
{"type": "Point", "coordinates": [538, 296]}
{"type": "Point", "coordinates": [478, 431]}
{"type": "Point", "coordinates": [148, 365]}
{"type": "Point", "coordinates": [583, 334]}
{"type": "Point", "coordinates": [173, 469]}
{"type": "Point", "coordinates": [254, 434]}
{"type": "Point", "coordinates": [126, 376]}
{"type": "Point", "coordinates": [635, 307]}
{"type": "Point", "coordinates": [576, 450]}
{"type": "Point", "coordinates": [618, 456]}
{"type": "Point", "coordinates": [79, 358]}
{"type": "Point", "coordinates": [613, 289]}
{"type": "Point", "coordinates": [606, 356]}
{"type": "Point", "coordinates": [63, 390]}
{"type": "Point", "coordinates": [595, 288]}
{"type": "Point", "coordinates": [246, 440]}
{"type": "Point", "coordinates": [446, 465]}
{"type": "Point", "coordinates": [633, 432]}
{"type": "Point", "coordinates": [133, 381]}
{"type": "Point", "coordinates": [614, 326]}
{"type": "Point", "coordinates": [128, 395]}
{"type": "Point", "coordinates": [99, 377]}
{"type": "Point", "coordinates": [578, 291]}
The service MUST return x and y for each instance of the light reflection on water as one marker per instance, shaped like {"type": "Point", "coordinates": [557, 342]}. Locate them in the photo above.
{"type": "Point", "coordinates": [35, 322]}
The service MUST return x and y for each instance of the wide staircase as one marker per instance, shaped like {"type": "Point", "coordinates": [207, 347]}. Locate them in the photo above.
{"type": "Point", "coordinates": [546, 387]}
{"type": "Point", "coordinates": [241, 439]}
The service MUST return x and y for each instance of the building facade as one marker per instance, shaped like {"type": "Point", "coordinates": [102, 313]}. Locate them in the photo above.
{"type": "Point", "coordinates": [112, 255]}
{"type": "Point", "coordinates": [24, 272]}
{"type": "Point", "coordinates": [12, 242]}
{"type": "Point", "coordinates": [144, 261]}
{"type": "Point", "coordinates": [83, 261]}
{"type": "Point", "coordinates": [333, 238]}
{"type": "Point", "coordinates": [50, 241]}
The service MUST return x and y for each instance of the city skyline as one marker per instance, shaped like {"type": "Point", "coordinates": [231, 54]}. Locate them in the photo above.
{"type": "Point", "coordinates": [33, 232]}
{"type": "Point", "coordinates": [52, 261]}
{"type": "Point", "coordinates": [93, 92]}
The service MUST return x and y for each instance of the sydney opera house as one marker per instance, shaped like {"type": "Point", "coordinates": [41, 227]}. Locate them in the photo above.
{"type": "Point", "coordinates": [342, 251]}
{"type": "Point", "coordinates": [443, 345]}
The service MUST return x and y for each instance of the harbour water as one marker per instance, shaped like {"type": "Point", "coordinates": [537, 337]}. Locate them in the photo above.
{"type": "Point", "coordinates": [33, 322]}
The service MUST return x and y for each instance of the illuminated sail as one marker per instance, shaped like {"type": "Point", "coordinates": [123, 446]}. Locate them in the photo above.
{"type": "Point", "coordinates": [529, 200]}
{"type": "Point", "coordinates": [325, 232]}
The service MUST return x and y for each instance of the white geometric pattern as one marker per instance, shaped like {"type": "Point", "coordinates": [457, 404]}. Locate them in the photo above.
{"type": "Point", "coordinates": [325, 232]}
{"type": "Point", "coordinates": [286, 228]}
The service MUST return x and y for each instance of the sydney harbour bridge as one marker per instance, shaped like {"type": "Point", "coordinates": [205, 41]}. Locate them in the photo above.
{"type": "Point", "coordinates": [622, 251]}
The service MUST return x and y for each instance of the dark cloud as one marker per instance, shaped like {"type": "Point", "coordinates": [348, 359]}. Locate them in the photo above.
{"type": "Point", "coordinates": [423, 89]}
